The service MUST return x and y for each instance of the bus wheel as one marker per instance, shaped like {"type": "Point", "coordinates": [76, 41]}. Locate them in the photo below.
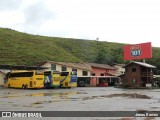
{"type": "Point", "coordinates": [23, 87]}
{"type": "Point", "coordinates": [9, 86]}
{"type": "Point", "coordinates": [26, 87]}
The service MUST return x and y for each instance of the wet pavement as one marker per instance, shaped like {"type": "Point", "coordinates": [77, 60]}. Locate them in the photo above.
{"type": "Point", "coordinates": [81, 99]}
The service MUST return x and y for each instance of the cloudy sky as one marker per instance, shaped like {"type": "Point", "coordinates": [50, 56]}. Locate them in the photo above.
{"type": "Point", "coordinates": [124, 21]}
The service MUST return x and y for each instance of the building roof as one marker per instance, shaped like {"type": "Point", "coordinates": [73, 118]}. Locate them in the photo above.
{"type": "Point", "coordinates": [141, 64]}
{"type": "Point", "coordinates": [82, 66]}
{"type": "Point", "coordinates": [105, 66]}
{"type": "Point", "coordinates": [21, 67]}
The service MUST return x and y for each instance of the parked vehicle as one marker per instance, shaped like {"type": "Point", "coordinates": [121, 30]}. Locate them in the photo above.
{"type": "Point", "coordinates": [68, 79]}
{"type": "Point", "coordinates": [81, 84]}
{"type": "Point", "coordinates": [24, 79]}
{"type": "Point", "coordinates": [51, 79]}
{"type": "Point", "coordinates": [102, 82]}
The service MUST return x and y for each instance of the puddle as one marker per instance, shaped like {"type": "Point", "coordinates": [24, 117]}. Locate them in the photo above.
{"type": "Point", "coordinates": [27, 106]}
{"type": "Point", "coordinates": [44, 94]}
{"type": "Point", "coordinates": [53, 101]}
{"type": "Point", "coordinates": [130, 95]}
{"type": "Point", "coordinates": [9, 96]}
{"type": "Point", "coordinates": [39, 107]}
{"type": "Point", "coordinates": [73, 99]}
{"type": "Point", "coordinates": [82, 93]}
{"type": "Point", "coordinates": [10, 102]}
{"type": "Point", "coordinates": [33, 105]}
{"type": "Point", "coordinates": [39, 102]}
{"type": "Point", "coordinates": [56, 94]}
{"type": "Point", "coordinates": [52, 94]}
{"type": "Point", "coordinates": [14, 105]}
{"type": "Point", "coordinates": [155, 107]}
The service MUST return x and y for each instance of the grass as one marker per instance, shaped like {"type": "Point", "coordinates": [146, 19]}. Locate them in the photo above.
{"type": "Point", "coordinates": [24, 49]}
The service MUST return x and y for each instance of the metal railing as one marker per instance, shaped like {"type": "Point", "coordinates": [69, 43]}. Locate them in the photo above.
{"type": "Point", "coordinates": [147, 74]}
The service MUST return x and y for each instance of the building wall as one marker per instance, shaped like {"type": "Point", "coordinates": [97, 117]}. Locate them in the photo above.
{"type": "Point", "coordinates": [98, 71]}
{"type": "Point", "coordinates": [59, 68]}
{"type": "Point", "coordinates": [2, 75]}
{"type": "Point", "coordinates": [120, 69]}
{"type": "Point", "coordinates": [130, 76]}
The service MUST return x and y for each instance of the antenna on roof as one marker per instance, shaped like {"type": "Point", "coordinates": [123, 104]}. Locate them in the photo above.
{"type": "Point", "coordinates": [97, 39]}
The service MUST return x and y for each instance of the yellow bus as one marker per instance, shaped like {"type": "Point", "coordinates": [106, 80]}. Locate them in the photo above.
{"type": "Point", "coordinates": [68, 79]}
{"type": "Point", "coordinates": [51, 81]}
{"type": "Point", "coordinates": [24, 79]}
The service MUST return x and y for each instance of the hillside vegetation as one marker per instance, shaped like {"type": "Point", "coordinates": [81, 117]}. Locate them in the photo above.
{"type": "Point", "coordinates": [24, 49]}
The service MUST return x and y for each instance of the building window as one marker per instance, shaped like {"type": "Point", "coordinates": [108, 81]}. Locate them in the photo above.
{"type": "Point", "coordinates": [133, 69]}
{"type": "Point", "coordinates": [73, 69]}
{"type": "Point", "coordinates": [53, 67]}
{"type": "Point", "coordinates": [64, 68]}
{"type": "Point", "coordinates": [85, 73]}
{"type": "Point", "coordinates": [102, 74]}
{"type": "Point", "coordinates": [93, 74]}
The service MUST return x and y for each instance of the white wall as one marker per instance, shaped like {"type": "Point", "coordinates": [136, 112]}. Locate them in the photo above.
{"type": "Point", "coordinates": [2, 75]}
{"type": "Point", "coordinates": [58, 68]}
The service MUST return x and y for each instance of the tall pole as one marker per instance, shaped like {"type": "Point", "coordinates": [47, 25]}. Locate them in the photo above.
{"type": "Point", "coordinates": [144, 60]}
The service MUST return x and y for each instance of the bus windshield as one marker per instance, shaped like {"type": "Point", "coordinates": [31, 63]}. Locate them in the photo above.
{"type": "Point", "coordinates": [47, 72]}
{"type": "Point", "coordinates": [64, 73]}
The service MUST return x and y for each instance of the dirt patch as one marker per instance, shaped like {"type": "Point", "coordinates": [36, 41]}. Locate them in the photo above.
{"type": "Point", "coordinates": [39, 102]}
{"type": "Point", "coordinates": [128, 119]}
{"type": "Point", "coordinates": [149, 118]}
{"type": "Point", "coordinates": [118, 119]}
{"type": "Point", "coordinates": [141, 111]}
{"type": "Point", "coordinates": [82, 93]}
{"type": "Point", "coordinates": [130, 95]}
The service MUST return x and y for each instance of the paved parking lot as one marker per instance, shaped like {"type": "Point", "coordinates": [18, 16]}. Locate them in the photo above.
{"type": "Point", "coordinates": [80, 99]}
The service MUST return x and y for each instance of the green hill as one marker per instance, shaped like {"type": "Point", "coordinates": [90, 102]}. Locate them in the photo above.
{"type": "Point", "coordinates": [24, 49]}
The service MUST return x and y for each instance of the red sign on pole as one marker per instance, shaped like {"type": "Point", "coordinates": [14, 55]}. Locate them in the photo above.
{"type": "Point", "coordinates": [138, 51]}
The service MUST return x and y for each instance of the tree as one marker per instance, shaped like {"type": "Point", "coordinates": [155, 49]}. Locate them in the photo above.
{"type": "Point", "coordinates": [101, 56]}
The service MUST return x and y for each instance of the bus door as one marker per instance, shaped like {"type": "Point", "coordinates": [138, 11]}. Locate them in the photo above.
{"type": "Point", "coordinates": [39, 79]}
{"type": "Point", "coordinates": [31, 84]}
{"type": "Point", "coordinates": [55, 79]}
{"type": "Point", "coordinates": [64, 82]}
{"type": "Point", "coordinates": [73, 77]}
{"type": "Point", "coordinates": [6, 79]}
{"type": "Point", "coordinates": [47, 79]}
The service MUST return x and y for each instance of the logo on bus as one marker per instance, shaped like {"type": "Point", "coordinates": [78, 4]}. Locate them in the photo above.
{"type": "Point", "coordinates": [136, 51]}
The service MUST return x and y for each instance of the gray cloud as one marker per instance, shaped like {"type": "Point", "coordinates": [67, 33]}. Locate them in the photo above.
{"type": "Point", "coordinates": [10, 4]}
{"type": "Point", "coordinates": [37, 13]}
